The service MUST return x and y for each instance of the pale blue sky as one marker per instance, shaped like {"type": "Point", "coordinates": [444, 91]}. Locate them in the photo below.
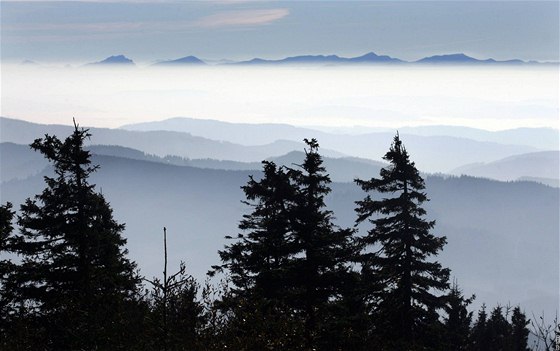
{"type": "Point", "coordinates": [146, 31]}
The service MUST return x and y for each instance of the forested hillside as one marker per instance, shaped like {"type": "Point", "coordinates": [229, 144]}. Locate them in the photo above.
{"type": "Point", "coordinates": [325, 276]}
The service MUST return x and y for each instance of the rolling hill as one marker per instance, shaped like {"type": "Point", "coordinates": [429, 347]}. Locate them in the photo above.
{"type": "Point", "coordinates": [20, 162]}
{"type": "Point", "coordinates": [433, 153]}
{"type": "Point", "coordinates": [160, 143]}
{"type": "Point", "coordinates": [543, 165]}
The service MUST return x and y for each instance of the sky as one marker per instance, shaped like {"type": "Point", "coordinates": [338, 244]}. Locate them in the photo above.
{"type": "Point", "coordinates": [147, 31]}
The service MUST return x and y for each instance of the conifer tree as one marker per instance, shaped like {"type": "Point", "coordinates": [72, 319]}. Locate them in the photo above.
{"type": "Point", "coordinates": [8, 311]}
{"type": "Point", "coordinates": [258, 263]}
{"type": "Point", "coordinates": [480, 340]}
{"type": "Point", "coordinates": [322, 268]}
{"type": "Point", "coordinates": [74, 274]}
{"type": "Point", "coordinates": [498, 329]}
{"type": "Point", "coordinates": [505, 329]}
{"type": "Point", "coordinates": [519, 330]}
{"type": "Point", "coordinates": [292, 264]}
{"type": "Point", "coordinates": [398, 249]}
{"type": "Point", "coordinates": [6, 228]}
{"type": "Point", "coordinates": [258, 258]}
{"type": "Point", "coordinates": [458, 320]}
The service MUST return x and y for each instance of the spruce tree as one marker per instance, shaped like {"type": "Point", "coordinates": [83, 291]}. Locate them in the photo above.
{"type": "Point", "coordinates": [74, 275]}
{"type": "Point", "coordinates": [321, 269]}
{"type": "Point", "coordinates": [6, 266]}
{"type": "Point", "coordinates": [8, 310]}
{"type": "Point", "coordinates": [258, 262]}
{"type": "Point", "coordinates": [498, 329]}
{"type": "Point", "coordinates": [398, 249]}
{"type": "Point", "coordinates": [519, 331]}
{"type": "Point", "coordinates": [480, 339]}
{"type": "Point", "coordinates": [291, 265]}
{"type": "Point", "coordinates": [257, 259]}
{"type": "Point", "coordinates": [504, 329]}
{"type": "Point", "coordinates": [458, 321]}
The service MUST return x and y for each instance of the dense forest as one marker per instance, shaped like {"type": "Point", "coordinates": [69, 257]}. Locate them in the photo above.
{"type": "Point", "coordinates": [290, 280]}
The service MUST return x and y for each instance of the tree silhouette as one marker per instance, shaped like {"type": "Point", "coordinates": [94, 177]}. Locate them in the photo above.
{"type": "Point", "coordinates": [258, 263]}
{"type": "Point", "coordinates": [74, 275]}
{"type": "Point", "coordinates": [519, 330]}
{"type": "Point", "coordinates": [292, 266]}
{"type": "Point", "coordinates": [14, 328]}
{"type": "Point", "coordinates": [322, 268]}
{"type": "Point", "coordinates": [458, 321]}
{"type": "Point", "coordinates": [402, 244]}
{"type": "Point", "coordinates": [258, 257]}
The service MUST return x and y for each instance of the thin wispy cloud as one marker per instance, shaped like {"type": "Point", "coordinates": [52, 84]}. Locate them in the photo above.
{"type": "Point", "coordinates": [242, 18]}
{"type": "Point", "coordinates": [224, 19]}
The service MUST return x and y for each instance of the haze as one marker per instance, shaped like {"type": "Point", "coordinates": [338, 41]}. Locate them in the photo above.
{"type": "Point", "coordinates": [486, 98]}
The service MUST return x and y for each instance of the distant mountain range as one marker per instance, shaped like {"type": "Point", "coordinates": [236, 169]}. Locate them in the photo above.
{"type": "Point", "coordinates": [369, 58]}
{"type": "Point", "coordinates": [258, 134]}
{"type": "Point", "coordinates": [20, 162]}
{"type": "Point", "coordinates": [321, 59]}
{"type": "Point", "coordinates": [542, 166]}
{"type": "Point", "coordinates": [464, 59]}
{"type": "Point", "coordinates": [432, 153]}
{"type": "Point", "coordinates": [160, 143]}
{"type": "Point", "coordinates": [238, 146]}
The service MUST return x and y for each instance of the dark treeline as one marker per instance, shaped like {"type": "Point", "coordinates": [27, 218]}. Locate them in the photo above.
{"type": "Point", "coordinates": [290, 280]}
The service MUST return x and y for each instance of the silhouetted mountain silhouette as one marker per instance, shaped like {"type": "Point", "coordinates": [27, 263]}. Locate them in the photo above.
{"type": "Point", "coordinates": [324, 59]}
{"type": "Point", "coordinates": [187, 60]}
{"type": "Point", "coordinates": [114, 60]}
{"type": "Point", "coordinates": [462, 59]}
{"type": "Point", "coordinates": [368, 58]}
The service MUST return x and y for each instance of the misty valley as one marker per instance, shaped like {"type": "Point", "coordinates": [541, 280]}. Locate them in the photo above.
{"type": "Point", "coordinates": [493, 195]}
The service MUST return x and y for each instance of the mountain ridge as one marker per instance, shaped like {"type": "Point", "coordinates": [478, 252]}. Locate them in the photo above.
{"type": "Point", "coordinates": [542, 138]}
{"type": "Point", "coordinates": [432, 154]}
{"type": "Point", "coordinates": [544, 164]}
{"type": "Point", "coordinates": [331, 59]}
{"type": "Point", "coordinates": [119, 60]}
{"type": "Point", "coordinates": [183, 61]}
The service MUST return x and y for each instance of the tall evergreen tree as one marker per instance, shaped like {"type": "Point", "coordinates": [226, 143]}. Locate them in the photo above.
{"type": "Point", "coordinates": [258, 258]}
{"type": "Point", "coordinates": [8, 310]}
{"type": "Point", "coordinates": [322, 268]}
{"type": "Point", "coordinates": [402, 245]}
{"type": "Point", "coordinates": [258, 263]}
{"type": "Point", "coordinates": [291, 259]}
{"type": "Point", "coordinates": [74, 274]}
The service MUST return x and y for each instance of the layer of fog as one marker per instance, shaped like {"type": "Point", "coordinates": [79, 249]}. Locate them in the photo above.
{"type": "Point", "coordinates": [375, 96]}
